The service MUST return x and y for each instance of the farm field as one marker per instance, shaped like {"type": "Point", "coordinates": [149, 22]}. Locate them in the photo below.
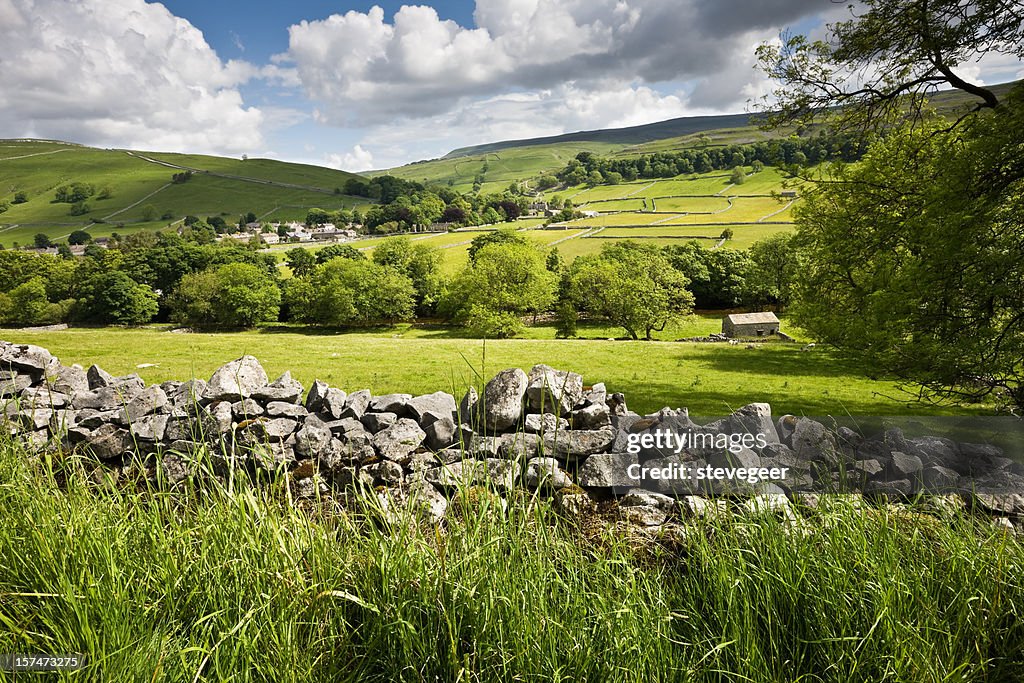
{"type": "Point", "coordinates": [709, 379]}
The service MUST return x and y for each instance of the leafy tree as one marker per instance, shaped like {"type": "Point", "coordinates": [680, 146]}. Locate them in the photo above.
{"type": "Point", "coordinates": [19, 198]}
{"type": "Point", "coordinates": [773, 269]}
{"type": "Point", "coordinates": [334, 251]}
{"type": "Point", "coordinates": [113, 297]}
{"type": "Point", "coordinates": [421, 263]}
{"type": "Point", "coordinates": [508, 278]}
{"type": "Point", "coordinates": [301, 261]}
{"type": "Point", "coordinates": [872, 69]}
{"type": "Point", "coordinates": [632, 285]}
{"type": "Point", "coordinates": [738, 176]}
{"type": "Point", "coordinates": [502, 236]}
{"type": "Point", "coordinates": [79, 237]}
{"type": "Point", "coordinates": [717, 277]}
{"type": "Point", "coordinates": [351, 292]}
{"type": "Point", "coordinates": [148, 212]}
{"type": "Point", "coordinates": [234, 294]}
{"type": "Point", "coordinates": [913, 259]}
{"type": "Point", "coordinates": [42, 241]}
{"type": "Point", "coordinates": [28, 302]}
{"type": "Point", "coordinates": [79, 209]}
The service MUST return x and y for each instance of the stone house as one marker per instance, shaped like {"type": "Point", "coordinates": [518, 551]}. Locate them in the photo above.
{"type": "Point", "coordinates": [750, 324]}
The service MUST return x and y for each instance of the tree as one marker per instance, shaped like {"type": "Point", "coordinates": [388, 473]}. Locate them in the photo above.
{"type": "Point", "coordinates": [113, 297]}
{"type": "Point", "coordinates": [79, 209]}
{"type": "Point", "coordinates": [717, 277]}
{"type": "Point", "coordinates": [421, 263]}
{"type": "Point", "coordinates": [349, 292]}
{"type": "Point", "coordinates": [334, 251]}
{"type": "Point", "coordinates": [502, 236]}
{"type": "Point", "coordinates": [79, 237]}
{"type": "Point", "coordinates": [913, 262]}
{"type": "Point", "coordinates": [773, 269]}
{"type": "Point", "coordinates": [148, 212]}
{"type": "Point", "coordinates": [19, 198]}
{"type": "Point", "coordinates": [632, 285]}
{"type": "Point", "coordinates": [28, 302]}
{"type": "Point", "coordinates": [737, 177]}
{"type": "Point", "coordinates": [234, 294]}
{"type": "Point", "coordinates": [301, 261]}
{"type": "Point", "coordinates": [872, 69]}
{"type": "Point", "coordinates": [42, 241]}
{"type": "Point", "coordinates": [504, 280]}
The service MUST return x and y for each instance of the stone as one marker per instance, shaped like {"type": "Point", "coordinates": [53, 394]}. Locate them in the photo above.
{"type": "Point", "coordinates": [175, 468]}
{"type": "Point", "coordinates": [754, 419]}
{"type": "Point", "coordinates": [592, 416]}
{"type": "Point", "coordinates": [518, 446]}
{"type": "Point", "coordinates": [14, 384]}
{"type": "Point", "coordinates": [468, 407]}
{"type": "Point", "coordinates": [316, 395]}
{"type": "Point", "coordinates": [390, 403]}
{"type": "Point", "coordinates": [484, 446]}
{"type": "Point", "coordinates": [939, 479]}
{"type": "Point", "coordinates": [1006, 504]}
{"type": "Point", "coordinates": [356, 404]}
{"type": "Point", "coordinates": [285, 409]}
{"type": "Point", "coordinates": [312, 441]}
{"type": "Point", "coordinates": [333, 404]}
{"type": "Point", "coordinates": [811, 440]}
{"type": "Point", "coordinates": [187, 395]}
{"type": "Point", "coordinates": [608, 470]}
{"type": "Point", "coordinates": [399, 440]}
{"type": "Point", "coordinates": [579, 443]}
{"type": "Point", "coordinates": [246, 409]}
{"type": "Point", "coordinates": [423, 499]}
{"type": "Point", "coordinates": [109, 442]}
{"type": "Point", "coordinates": [98, 378]}
{"type": "Point", "coordinates": [742, 457]}
{"type": "Point", "coordinates": [279, 428]}
{"type": "Point", "coordinates": [149, 427]}
{"type": "Point", "coordinates": [43, 397]}
{"type": "Point", "coordinates": [35, 418]}
{"type": "Point", "coordinates": [503, 399]}
{"type": "Point", "coordinates": [441, 433]}
{"type": "Point", "coordinates": [68, 380]}
{"type": "Point", "coordinates": [385, 472]}
{"type": "Point", "coordinates": [113, 397]}
{"type": "Point", "coordinates": [429, 407]}
{"type": "Point", "coordinates": [148, 401]}
{"type": "Point", "coordinates": [574, 503]}
{"type": "Point", "coordinates": [284, 389]}
{"type": "Point", "coordinates": [643, 515]}
{"type": "Point", "coordinates": [641, 498]}
{"type": "Point", "coordinates": [376, 422]}
{"type": "Point", "coordinates": [540, 423]}
{"type": "Point", "coordinates": [349, 427]}
{"type": "Point", "coordinates": [904, 466]}
{"type": "Point", "coordinates": [596, 394]}
{"type": "Point", "coordinates": [271, 456]}
{"type": "Point", "coordinates": [496, 473]}
{"type": "Point", "coordinates": [617, 404]}
{"type": "Point", "coordinates": [27, 358]}
{"type": "Point", "coordinates": [546, 474]}
{"type": "Point", "coordinates": [551, 390]}
{"type": "Point", "coordinates": [236, 380]}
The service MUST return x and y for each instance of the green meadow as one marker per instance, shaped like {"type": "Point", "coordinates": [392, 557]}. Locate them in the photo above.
{"type": "Point", "coordinates": [709, 379]}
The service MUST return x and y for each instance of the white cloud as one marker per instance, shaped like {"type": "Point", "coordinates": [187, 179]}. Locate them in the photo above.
{"type": "Point", "coordinates": [357, 160]}
{"type": "Point", "coordinates": [120, 73]}
{"type": "Point", "coordinates": [360, 68]}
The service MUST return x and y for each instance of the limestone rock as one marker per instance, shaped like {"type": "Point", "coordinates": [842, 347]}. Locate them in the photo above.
{"type": "Point", "coordinates": [503, 399]}
{"type": "Point", "coordinates": [236, 380]}
{"type": "Point", "coordinates": [553, 390]}
{"type": "Point", "coordinates": [399, 440]}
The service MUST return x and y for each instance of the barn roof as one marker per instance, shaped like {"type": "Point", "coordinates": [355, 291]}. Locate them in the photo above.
{"type": "Point", "coordinates": [762, 318]}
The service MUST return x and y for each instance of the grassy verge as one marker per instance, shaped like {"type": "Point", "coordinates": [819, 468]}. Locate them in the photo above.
{"type": "Point", "coordinates": [243, 586]}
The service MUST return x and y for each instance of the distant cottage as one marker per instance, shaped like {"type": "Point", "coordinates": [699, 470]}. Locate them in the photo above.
{"type": "Point", "coordinates": [750, 324]}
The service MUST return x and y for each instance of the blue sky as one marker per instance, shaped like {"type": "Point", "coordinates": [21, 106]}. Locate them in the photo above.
{"type": "Point", "coordinates": [361, 85]}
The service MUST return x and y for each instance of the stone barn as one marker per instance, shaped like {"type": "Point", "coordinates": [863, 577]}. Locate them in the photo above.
{"type": "Point", "coordinates": [750, 324]}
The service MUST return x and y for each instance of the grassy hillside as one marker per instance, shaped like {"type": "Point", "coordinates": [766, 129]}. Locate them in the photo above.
{"type": "Point", "coordinates": [140, 180]}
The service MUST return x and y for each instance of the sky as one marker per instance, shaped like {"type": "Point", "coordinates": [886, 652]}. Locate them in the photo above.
{"type": "Point", "coordinates": [373, 85]}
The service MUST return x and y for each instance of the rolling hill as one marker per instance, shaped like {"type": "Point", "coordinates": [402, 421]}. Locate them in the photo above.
{"type": "Point", "coordinates": [142, 192]}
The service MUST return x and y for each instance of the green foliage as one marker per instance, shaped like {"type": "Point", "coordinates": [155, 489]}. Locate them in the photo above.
{"type": "Point", "coordinates": [421, 263]}
{"type": "Point", "coordinates": [235, 294]}
{"type": "Point", "coordinates": [333, 251]}
{"type": "Point", "coordinates": [351, 292]}
{"type": "Point", "coordinates": [19, 198]}
{"type": "Point", "coordinates": [501, 236]}
{"type": "Point", "coordinates": [42, 241]}
{"type": "Point", "coordinates": [301, 261]}
{"type": "Point", "coordinates": [504, 278]}
{"type": "Point", "coordinates": [486, 323]}
{"type": "Point", "coordinates": [79, 209]}
{"type": "Point", "coordinates": [28, 303]}
{"type": "Point", "coordinates": [74, 193]}
{"type": "Point", "coordinates": [113, 297]}
{"type": "Point", "coordinates": [79, 237]}
{"type": "Point", "coordinates": [913, 259]}
{"type": "Point", "coordinates": [716, 277]}
{"type": "Point", "coordinates": [739, 176]}
{"type": "Point", "coordinates": [631, 285]}
{"type": "Point", "coordinates": [772, 273]}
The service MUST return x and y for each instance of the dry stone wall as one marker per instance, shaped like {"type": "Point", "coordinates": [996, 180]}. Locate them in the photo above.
{"type": "Point", "coordinates": [544, 430]}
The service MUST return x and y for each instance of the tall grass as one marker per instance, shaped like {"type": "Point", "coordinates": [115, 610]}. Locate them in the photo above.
{"type": "Point", "coordinates": [203, 584]}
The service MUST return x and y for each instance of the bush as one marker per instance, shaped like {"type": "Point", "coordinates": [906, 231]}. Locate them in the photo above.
{"type": "Point", "coordinates": [19, 198]}
{"type": "Point", "coordinates": [79, 209]}
{"type": "Point", "coordinates": [483, 322]}
{"type": "Point", "coordinates": [738, 176]}
{"type": "Point", "coordinates": [235, 294]}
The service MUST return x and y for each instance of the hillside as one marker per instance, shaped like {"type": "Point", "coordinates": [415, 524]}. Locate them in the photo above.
{"type": "Point", "coordinates": [142, 192]}
{"type": "Point", "coordinates": [506, 161]}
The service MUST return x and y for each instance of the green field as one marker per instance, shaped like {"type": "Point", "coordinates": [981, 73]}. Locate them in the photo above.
{"type": "Point", "coordinates": [271, 189]}
{"type": "Point", "coordinates": [710, 379]}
